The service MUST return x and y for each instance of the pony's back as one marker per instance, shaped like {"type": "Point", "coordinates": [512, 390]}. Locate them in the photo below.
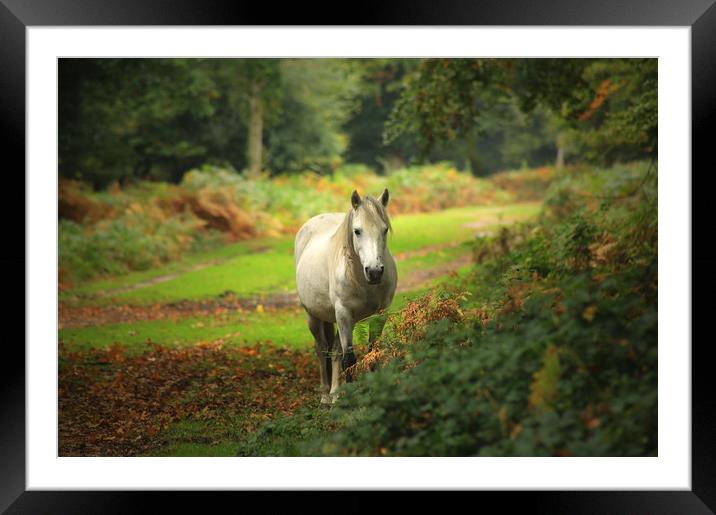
{"type": "Point", "coordinates": [319, 225]}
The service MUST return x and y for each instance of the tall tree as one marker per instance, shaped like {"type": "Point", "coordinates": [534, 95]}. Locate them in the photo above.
{"type": "Point", "coordinates": [252, 91]}
{"type": "Point", "coordinates": [256, 128]}
{"type": "Point", "coordinates": [261, 80]}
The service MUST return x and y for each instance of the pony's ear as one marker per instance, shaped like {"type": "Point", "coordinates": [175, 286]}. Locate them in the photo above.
{"type": "Point", "coordinates": [355, 199]}
{"type": "Point", "coordinates": [384, 197]}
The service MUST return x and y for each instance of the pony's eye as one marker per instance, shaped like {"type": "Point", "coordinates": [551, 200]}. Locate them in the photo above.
{"type": "Point", "coordinates": [357, 232]}
{"type": "Point", "coordinates": [385, 231]}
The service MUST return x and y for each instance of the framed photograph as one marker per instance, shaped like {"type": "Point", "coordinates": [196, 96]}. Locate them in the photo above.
{"type": "Point", "coordinates": [488, 205]}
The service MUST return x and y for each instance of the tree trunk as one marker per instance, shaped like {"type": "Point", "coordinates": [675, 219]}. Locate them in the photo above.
{"type": "Point", "coordinates": [559, 162]}
{"type": "Point", "coordinates": [256, 124]}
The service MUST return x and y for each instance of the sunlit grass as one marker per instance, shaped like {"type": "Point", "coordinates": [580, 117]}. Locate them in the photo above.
{"type": "Point", "coordinates": [412, 232]}
{"type": "Point", "coordinates": [188, 262]}
{"type": "Point", "coordinates": [271, 270]}
{"type": "Point", "coordinates": [283, 327]}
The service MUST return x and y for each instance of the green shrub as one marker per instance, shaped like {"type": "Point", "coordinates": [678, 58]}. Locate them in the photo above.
{"type": "Point", "coordinates": [133, 241]}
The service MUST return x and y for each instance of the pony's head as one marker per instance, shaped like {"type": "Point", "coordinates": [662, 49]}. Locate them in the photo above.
{"type": "Point", "coordinates": [369, 225]}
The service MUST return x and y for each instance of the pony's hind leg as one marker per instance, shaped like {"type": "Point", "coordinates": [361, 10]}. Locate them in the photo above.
{"type": "Point", "coordinates": [323, 353]}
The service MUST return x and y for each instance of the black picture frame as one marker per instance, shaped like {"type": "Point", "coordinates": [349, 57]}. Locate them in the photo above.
{"type": "Point", "coordinates": [17, 15]}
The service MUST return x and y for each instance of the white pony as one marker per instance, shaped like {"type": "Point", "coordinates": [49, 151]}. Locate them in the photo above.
{"type": "Point", "coordinates": [344, 273]}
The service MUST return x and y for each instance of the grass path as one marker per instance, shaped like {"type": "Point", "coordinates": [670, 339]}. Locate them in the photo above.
{"type": "Point", "coordinates": [266, 266]}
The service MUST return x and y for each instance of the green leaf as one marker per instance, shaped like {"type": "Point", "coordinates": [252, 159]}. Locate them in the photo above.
{"type": "Point", "coordinates": [361, 333]}
{"type": "Point", "coordinates": [375, 326]}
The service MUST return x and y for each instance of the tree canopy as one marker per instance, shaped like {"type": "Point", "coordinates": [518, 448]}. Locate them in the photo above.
{"type": "Point", "coordinates": [158, 118]}
{"type": "Point", "coordinates": [606, 107]}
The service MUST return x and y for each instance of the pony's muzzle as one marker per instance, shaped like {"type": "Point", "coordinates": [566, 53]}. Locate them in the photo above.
{"type": "Point", "coordinates": [374, 274]}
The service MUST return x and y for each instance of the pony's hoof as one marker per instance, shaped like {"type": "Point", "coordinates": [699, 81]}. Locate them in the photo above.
{"type": "Point", "coordinates": [349, 359]}
{"type": "Point", "coordinates": [326, 399]}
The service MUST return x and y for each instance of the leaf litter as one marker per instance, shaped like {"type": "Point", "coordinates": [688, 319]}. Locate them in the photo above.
{"type": "Point", "coordinates": [112, 403]}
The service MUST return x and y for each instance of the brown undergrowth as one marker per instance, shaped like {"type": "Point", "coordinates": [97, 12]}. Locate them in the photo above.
{"type": "Point", "coordinates": [409, 325]}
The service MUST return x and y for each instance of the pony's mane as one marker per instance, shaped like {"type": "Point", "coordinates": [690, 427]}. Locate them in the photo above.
{"type": "Point", "coordinates": [343, 238]}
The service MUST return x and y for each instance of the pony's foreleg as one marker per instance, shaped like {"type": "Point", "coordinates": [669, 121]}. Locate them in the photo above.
{"type": "Point", "coordinates": [345, 323]}
{"type": "Point", "coordinates": [322, 352]}
{"type": "Point", "coordinates": [336, 358]}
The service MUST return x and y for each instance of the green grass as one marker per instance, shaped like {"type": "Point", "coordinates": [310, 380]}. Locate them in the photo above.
{"type": "Point", "coordinates": [189, 438]}
{"type": "Point", "coordinates": [214, 256]}
{"type": "Point", "coordinates": [251, 274]}
{"type": "Point", "coordinates": [431, 260]}
{"type": "Point", "coordinates": [412, 232]}
{"type": "Point", "coordinates": [284, 327]}
{"type": "Point", "coordinates": [198, 449]}
{"type": "Point", "coordinates": [271, 271]}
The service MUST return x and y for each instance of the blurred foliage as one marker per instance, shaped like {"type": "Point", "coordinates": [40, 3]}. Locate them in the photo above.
{"type": "Point", "coordinates": [319, 96]}
{"type": "Point", "coordinates": [381, 82]}
{"type": "Point", "coordinates": [156, 119]}
{"type": "Point", "coordinates": [127, 117]}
